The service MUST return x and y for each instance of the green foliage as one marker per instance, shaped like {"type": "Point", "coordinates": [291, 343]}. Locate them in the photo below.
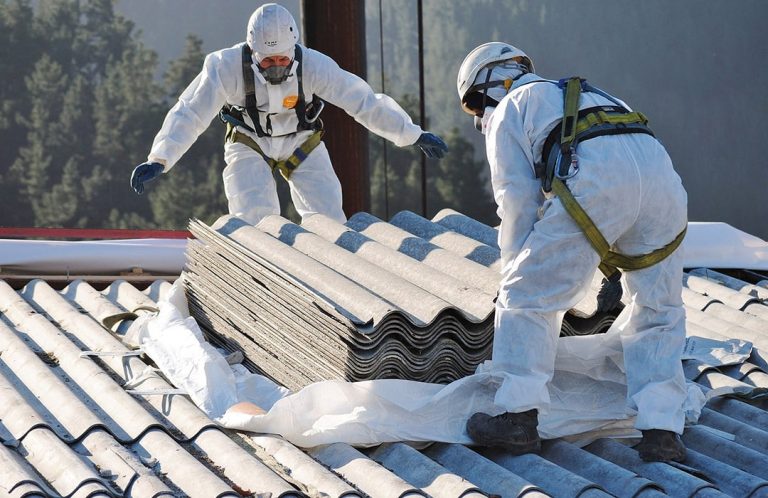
{"type": "Point", "coordinates": [194, 188]}
{"type": "Point", "coordinates": [458, 181]}
{"type": "Point", "coordinates": [79, 107]}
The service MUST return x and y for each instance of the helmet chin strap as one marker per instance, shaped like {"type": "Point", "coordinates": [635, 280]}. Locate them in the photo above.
{"type": "Point", "coordinates": [506, 83]}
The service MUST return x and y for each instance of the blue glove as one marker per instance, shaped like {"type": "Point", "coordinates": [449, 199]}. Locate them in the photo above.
{"type": "Point", "coordinates": [609, 296]}
{"type": "Point", "coordinates": [432, 145]}
{"type": "Point", "coordinates": [145, 172]}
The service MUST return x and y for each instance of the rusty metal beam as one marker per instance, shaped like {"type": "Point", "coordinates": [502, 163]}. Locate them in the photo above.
{"type": "Point", "coordinates": [337, 28]}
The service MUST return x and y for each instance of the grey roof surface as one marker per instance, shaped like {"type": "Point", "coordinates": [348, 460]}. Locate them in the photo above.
{"type": "Point", "coordinates": [70, 428]}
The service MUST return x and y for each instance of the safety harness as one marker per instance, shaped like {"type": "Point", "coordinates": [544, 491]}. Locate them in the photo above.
{"type": "Point", "coordinates": [308, 116]}
{"type": "Point", "coordinates": [578, 126]}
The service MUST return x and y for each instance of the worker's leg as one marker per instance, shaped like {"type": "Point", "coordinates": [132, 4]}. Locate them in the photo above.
{"type": "Point", "coordinates": [248, 184]}
{"type": "Point", "coordinates": [548, 276]}
{"type": "Point", "coordinates": [653, 341]}
{"type": "Point", "coordinates": [315, 188]}
{"type": "Point", "coordinates": [654, 337]}
{"type": "Point", "coordinates": [553, 271]}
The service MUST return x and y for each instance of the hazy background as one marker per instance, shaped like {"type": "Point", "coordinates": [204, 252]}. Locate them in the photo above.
{"type": "Point", "coordinates": [696, 68]}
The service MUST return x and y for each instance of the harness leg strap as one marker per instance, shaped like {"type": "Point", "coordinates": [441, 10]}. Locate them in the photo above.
{"type": "Point", "coordinates": [609, 260]}
{"type": "Point", "coordinates": [287, 166]}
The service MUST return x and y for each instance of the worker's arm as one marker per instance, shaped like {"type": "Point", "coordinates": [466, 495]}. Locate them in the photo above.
{"type": "Point", "coordinates": [197, 106]}
{"type": "Point", "coordinates": [377, 112]}
{"type": "Point", "coordinates": [516, 189]}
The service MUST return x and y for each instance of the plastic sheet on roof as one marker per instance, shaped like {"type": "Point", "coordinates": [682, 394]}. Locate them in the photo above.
{"type": "Point", "coordinates": [711, 245]}
{"type": "Point", "coordinates": [588, 389]}
{"type": "Point", "coordinates": [719, 245]}
{"type": "Point", "coordinates": [162, 256]}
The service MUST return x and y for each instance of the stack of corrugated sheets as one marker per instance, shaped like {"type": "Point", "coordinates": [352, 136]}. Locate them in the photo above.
{"type": "Point", "coordinates": [410, 298]}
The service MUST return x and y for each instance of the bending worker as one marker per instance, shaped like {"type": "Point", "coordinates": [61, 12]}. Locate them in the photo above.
{"type": "Point", "coordinates": [268, 91]}
{"type": "Point", "coordinates": [580, 183]}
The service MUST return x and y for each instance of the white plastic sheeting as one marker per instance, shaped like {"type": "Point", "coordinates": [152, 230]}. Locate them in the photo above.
{"type": "Point", "coordinates": [588, 390]}
{"type": "Point", "coordinates": [161, 256]}
{"type": "Point", "coordinates": [719, 245]}
{"type": "Point", "coordinates": [710, 245]}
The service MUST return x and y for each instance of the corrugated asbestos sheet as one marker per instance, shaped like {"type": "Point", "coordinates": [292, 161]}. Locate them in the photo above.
{"type": "Point", "coordinates": [410, 299]}
{"type": "Point", "coordinates": [70, 428]}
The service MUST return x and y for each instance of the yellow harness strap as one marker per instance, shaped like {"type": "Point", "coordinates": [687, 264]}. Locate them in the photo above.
{"type": "Point", "coordinates": [609, 260]}
{"type": "Point", "coordinates": [286, 166]}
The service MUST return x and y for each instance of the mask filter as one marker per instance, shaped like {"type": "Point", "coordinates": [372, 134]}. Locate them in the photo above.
{"type": "Point", "coordinates": [276, 74]}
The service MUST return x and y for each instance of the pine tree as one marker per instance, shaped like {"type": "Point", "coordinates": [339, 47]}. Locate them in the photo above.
{"type": "Point", "coordinates": [34, 165]}
{"type": "Point", "coordinates": [18, 46]}
{"type": "Point", "coordinates": [459, 181]}
{"type": "Point", "coordinates": [127, 112]}
{"type": "Point", "coordinates": [194, 187]}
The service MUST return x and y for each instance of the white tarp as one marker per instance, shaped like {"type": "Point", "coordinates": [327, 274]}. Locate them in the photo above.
{"type": "Point", "coordinates": [710, 245]}
{"type": "Point", "coordinates": [161, 256]}
{"type": "Point", "coordinates": [588, 390]}
{"type": "Point", "coordinates": [719, 245]}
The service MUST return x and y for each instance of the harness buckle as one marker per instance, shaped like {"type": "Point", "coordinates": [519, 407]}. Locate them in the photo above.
{"type": "Point", "coordinates": [314, 109]}
{"type": "Point", "coordinates": [573, 162]}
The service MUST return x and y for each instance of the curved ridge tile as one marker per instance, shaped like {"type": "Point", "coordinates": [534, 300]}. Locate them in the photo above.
{"type": "Point", "coordinates": [673, 481]}
{"type": "Point", "coordinates": [469, 299]}
{"type": "Point", "coordinates": [416, 304]}
{"type": "Point", "coordinates": [469, 227]}
{"type": "Point", "coordinates": [237, 464]}
{"type": "Point", "coordinates": [612, 478]}
{"type": "Point", "coordinates": [430, 254]}
{"type": "Point", "coordinates": [348, 297]}
{"type": "Point", "coordinates": [419, 470]}
{"type": "Point", "coordinates": [302, 467]}
{"type": "Point", "coordinates": [550, 477]}
{"type": "Point", "coordinates": [455, 242]}
{"type": "Point", "coordinates": [491, 477]}
{"type": "Point", "coordinates": [373, 479]}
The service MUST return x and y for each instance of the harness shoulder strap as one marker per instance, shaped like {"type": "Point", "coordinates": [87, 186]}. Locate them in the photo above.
{"type": "Point", "coordinates": [572, 92]}
{"type": "Point", "coordinates": [251, 106]}
{"type": "Point", "coordinates": [301, 103]}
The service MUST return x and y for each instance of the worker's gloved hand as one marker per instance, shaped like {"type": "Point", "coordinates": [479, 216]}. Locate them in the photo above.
{"type": "Point", "coordinates": [145, 172]}
{"type": "Point", "coordinates": [432, 145]}
{"type": "Point", "coordinates": [609, 296]}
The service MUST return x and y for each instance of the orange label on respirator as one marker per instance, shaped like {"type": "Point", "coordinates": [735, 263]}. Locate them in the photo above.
{"type": "Point", "coordinates": [290, 101]}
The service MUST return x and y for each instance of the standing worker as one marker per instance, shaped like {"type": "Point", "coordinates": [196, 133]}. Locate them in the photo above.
{"type": "Point", "coordinates": [268, 91]}
{"type": "Point", "coordinates": [576, 176]}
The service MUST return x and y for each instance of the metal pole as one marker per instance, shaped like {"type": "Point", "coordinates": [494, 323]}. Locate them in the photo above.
{"type": "Point", "coordinates": [384, 91]}
{"type": "Point", "coordinates": [422, 112]}
{"type": "Point", "coordinates": [337, 29]}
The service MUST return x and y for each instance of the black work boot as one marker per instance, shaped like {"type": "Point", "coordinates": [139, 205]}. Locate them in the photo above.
{"type": "Point", "coordinates": [661, 446]}
{"type": "Point", "coordinates": [514, 432]}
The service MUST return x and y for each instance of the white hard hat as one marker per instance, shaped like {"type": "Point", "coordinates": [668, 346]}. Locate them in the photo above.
{"type": "Point", "coordinates": [483, 56]}
{"type": "Point", "coordinates": [272, 31]}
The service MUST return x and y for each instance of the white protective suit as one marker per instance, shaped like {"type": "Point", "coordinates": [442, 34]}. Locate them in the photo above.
{"type": "Point", "coordinates": [627, 184]}
{"type": "Point", "coordinates": [248, 180]}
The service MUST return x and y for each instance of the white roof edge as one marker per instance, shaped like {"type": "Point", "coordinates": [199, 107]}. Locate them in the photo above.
{"type": "Point", "coordinates": [707, 244]}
